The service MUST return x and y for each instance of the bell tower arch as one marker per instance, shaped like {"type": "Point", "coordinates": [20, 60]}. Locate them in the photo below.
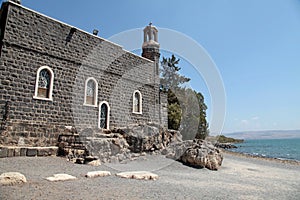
{"type": "Point", "coordinates": [151, 46]}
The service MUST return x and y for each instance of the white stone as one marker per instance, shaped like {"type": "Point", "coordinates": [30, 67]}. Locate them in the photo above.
{"type": "Point", "coordinates": [21, 141]}
{"type": "Point", "coordinates": [68, 127]}
{"type": "Point", "coordinates": [61, 177]}
{"type": "Point", "coordinates": [97, 174]}
{"type": "Point", "coordinates": [94, 163]}
{"type": "Point", "coordinates": [140, 175]}
{"type": "Point", "coordinates": [12, 178]}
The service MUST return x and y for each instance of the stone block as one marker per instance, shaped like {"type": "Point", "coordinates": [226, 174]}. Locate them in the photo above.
{"type": "Point", "coordinates": [42, 151]}
{"type": "Point", "coordinates": [10, 152]}
{"type": "Point", "coordinates": [3, 152]}
{"type": "Point", "coordinates": [61, 177]}
{"type": "Point", "coordinates": [17, 151]}
{"type": "Point", "coordinates": [23, 151]}
{"type": "Point", "coordinates": [94, 174]}
{"type": "Point", "coordinates": [139, 175]}
{"type": "Point", "coordinates": [31, 152]}
{"type": "Point", "coordinates": [52, 151]}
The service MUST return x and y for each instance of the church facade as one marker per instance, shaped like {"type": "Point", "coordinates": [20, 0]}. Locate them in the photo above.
{"type": "Point", "coordinates": [54, 76]}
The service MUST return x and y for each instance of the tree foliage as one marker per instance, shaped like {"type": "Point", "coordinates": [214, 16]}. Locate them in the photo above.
{"type": "Point", "coordinates": [171, 79]}
{"type": "Point", "coordinates": [202, 132]}
{"type": "Point", "coordinates": [186, 107]}
{"type": "Point", "coordinates": [174, 116]}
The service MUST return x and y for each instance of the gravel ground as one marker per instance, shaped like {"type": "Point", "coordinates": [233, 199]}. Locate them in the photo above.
{"type": "Point", "coordinates": [239, 178]}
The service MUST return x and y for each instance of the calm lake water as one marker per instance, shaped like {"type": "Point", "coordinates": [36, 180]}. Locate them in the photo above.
{"type": "Point", "coordinates": [273, 148]}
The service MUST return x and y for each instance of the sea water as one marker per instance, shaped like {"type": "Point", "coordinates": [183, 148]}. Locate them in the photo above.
{"type": "Point", "coordinates": [287, 149]}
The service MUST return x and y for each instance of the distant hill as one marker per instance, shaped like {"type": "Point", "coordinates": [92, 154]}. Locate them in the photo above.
{"type": "Point", "coordinates": [272, 134]}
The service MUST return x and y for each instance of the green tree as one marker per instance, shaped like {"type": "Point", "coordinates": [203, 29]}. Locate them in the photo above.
{"type": "Point", "coordinates": [186, 107]}
{"type": "Point", "coordinates": [171, 79]}
{"type": "Point", "coordinates": [171, 82]}
{"type": "Point", "coordinates": [174, 116]}
{"type": "Point", "coordinates": [190, 114]}
{"type": "Point", "coordinates": [174, 111]}
{"type": "Point", "coordinates": [203, 131]}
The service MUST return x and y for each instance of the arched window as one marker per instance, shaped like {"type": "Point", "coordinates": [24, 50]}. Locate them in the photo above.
{"type": "Point", "coordinates": [104, 112]}
{"type": "Point", "coordinates": [91, 92]}
{"type": "Point", "coordinates": [44, 83]}
{"type": "Point", "coordinates": [137, 102]}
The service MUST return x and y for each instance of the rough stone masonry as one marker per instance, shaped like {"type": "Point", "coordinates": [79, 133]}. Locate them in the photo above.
{"type": "Point", "coordinates": [30, 41]}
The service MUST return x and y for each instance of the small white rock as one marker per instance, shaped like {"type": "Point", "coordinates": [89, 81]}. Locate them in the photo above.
{"type": "Point", "coordinates": [94, 163]}
{"type": "Point", "coordinates": [97, 174]}
{"type": "Point", "coordinates": [139, 175]}
{"type": "Point", "coordinates": [68, 127]}
{"type": "Point", "coordinates": [12, 178]}
{"type": "Point", "coordinates": [61, 177]}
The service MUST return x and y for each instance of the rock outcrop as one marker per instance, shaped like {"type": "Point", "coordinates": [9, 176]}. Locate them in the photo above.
{"type": "Point", "coordinates": [150, 137]}
{"type": "Point", "coordinates": [127, 143]}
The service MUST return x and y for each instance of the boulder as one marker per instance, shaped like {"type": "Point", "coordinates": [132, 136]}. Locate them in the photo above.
{"type": "Point", "coordinates": [196, 153]}
{"type": "Point", "coordinates": [94, 174]}
{"type": "Point", "coordinates": [139, 175]}
{"type": "Point", "coordinates": [12, 178]}
{"type": "Point", "coordinates": [106, 147]}
{"type": "Point", "coordinates": [176, 150]}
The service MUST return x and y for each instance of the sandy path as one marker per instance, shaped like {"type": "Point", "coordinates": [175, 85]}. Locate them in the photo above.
{"type": "Point", "coordinates": [239, 178]}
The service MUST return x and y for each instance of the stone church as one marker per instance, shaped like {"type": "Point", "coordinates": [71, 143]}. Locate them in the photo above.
{"type": "Point", "coordinates": [55, 76]}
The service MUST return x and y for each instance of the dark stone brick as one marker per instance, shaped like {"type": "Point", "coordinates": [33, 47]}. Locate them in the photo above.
{"type": "Point", "coordinates": [10, 152]}
{"type": "Point", "coordinates": [23, 151]}
{"type": "Point", "coordinates": [31, 152]}
{"type": "Point", "coordinates": [3, 152]}
{"type": "Point", "coordinates": [42, 152]}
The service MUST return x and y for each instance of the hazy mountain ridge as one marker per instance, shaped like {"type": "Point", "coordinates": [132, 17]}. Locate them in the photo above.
{"type": "Point", "coordinates": [269, 134]}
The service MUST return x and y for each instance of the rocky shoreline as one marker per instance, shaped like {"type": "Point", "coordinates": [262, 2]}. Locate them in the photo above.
{"type": "Point", "coordinates": [284, 161]}
{"type": "Point", "coordinates": [225, 145]}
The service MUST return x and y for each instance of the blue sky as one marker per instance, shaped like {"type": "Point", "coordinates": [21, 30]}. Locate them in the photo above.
{"type": "Point", "coordinates": [255, 45]}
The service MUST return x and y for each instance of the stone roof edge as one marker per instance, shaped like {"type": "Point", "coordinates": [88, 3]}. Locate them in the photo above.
{"type": "Point", "coordinates": [138, 55]}
{"type": "Point", "coordinates": [16, 4]}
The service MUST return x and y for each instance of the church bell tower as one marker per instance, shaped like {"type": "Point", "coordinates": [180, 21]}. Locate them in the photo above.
{"type": "Point", "coordinates": [151, 46]}
{"type": "Point", "coordinates": [150, 50]}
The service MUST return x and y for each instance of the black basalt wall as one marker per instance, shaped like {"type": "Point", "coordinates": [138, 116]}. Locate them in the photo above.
{"type": "Point", "coordinates": [31, 40]}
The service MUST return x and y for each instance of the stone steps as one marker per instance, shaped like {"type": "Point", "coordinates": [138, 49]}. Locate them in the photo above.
{"type": "Point", "coordinates": [13, 151]}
